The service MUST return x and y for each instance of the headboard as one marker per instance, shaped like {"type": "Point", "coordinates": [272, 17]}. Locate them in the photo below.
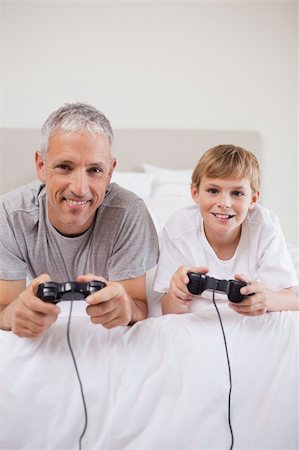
{"type": "Point", "coordinates": [168, 148]}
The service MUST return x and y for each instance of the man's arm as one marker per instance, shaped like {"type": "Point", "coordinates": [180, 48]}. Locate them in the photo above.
{"type": "Point", "coordinates": [9, 291]}
{"type": "Point", "coordinates": [136, 290]}
{"type": "Point", "coordinates": [21, 311]}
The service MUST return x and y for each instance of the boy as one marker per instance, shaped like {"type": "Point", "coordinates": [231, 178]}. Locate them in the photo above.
{"type": "Point", "coordinates": [227, 235]}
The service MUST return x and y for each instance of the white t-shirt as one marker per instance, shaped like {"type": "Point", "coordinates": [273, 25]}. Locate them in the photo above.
{"type": "Point", "coordinates": [261, 253]}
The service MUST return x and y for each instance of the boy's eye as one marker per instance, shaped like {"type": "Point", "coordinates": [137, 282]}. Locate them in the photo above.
{"type": "Point", "coordinates": [212, 191]}
{"type": "Point", "coordinates": [237, 193]}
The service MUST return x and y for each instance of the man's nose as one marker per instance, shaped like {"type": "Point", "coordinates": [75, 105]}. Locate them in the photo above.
{"type": "Point", "coordinates": [79, 183]}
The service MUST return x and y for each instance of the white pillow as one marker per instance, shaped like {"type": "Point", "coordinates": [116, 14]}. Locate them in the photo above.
{"type": "Point", "coordinates": [138, 182]}
{"type": "Point", "coordinates": [169, 182]}
{"type": "Point", "coordinates": [161, 208]}
{"type": "Point", "coordinates": [294, 254]}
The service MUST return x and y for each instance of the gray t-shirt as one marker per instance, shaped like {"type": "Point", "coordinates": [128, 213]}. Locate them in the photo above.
{"type": "Point", "coordinates": [121, 244]}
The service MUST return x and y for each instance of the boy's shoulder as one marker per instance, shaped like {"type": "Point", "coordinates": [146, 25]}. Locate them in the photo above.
{"type": "Point", "coordinates": [260, 215]}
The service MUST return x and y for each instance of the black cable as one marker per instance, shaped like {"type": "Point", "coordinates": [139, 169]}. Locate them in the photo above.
{"type": "Point", "coordinates": [77, 373]}
{"type": "Point", "coordinates": [81, 387]}
{"type": "Point", "coordinates": [229, 373]}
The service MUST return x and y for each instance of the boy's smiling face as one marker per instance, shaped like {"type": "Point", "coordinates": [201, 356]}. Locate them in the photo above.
{"type": "Point", "coordinates": [224, 204]}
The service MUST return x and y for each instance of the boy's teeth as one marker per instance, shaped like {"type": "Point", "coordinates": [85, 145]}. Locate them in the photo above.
{"type": "Point", "coordinates": [222, 216]}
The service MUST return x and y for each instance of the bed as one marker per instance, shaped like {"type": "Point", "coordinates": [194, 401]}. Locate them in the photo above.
{"type": "Point", "coordinates": [163, 383]}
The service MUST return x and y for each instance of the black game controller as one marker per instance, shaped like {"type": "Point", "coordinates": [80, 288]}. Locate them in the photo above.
{"type": "Point", "coordinates": [198, 282]}
{"type": "Point", "coordinates": [52, 292]}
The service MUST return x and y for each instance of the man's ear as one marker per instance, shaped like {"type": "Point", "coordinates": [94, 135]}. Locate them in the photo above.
{"type": "Point", "coordinates": [112, 167]}
{"type": "Point", "coordinates": [254, 200]}
{"type": "Point", "coordinates": [40, 167]}
{"type": "Point", "coordinates": [194, 193]}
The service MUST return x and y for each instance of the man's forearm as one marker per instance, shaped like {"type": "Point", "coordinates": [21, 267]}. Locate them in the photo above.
{"type": "Point", "coordinates": [139, 310]}
{"type": "Point", "coordinates": [4, 321]}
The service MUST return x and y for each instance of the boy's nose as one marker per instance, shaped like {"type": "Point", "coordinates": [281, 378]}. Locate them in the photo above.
{"type": "Point", "coordinates": [224, 201]}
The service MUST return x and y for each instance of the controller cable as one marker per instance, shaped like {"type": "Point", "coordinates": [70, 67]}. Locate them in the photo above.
{"type": "Point", "coordinates": [229, 373]}
{"type": "Point", "coordinates": [77, 373]}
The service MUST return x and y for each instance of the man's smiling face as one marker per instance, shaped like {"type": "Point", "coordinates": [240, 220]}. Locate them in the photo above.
{"type": "Point", "coordinates": [77, 170]}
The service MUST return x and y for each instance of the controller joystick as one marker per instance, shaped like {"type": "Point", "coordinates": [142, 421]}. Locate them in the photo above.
{"type": "Point", "coordinates": [198, 282]}
{"type": "Point", "coordinates": [53, 292]}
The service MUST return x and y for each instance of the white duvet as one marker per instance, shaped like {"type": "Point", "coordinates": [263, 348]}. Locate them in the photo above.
{"type": "Point", "coordinates": [161, 384]}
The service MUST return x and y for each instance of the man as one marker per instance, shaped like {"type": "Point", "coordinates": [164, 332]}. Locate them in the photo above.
{"type": "Point", "coordinates": [73, 224]}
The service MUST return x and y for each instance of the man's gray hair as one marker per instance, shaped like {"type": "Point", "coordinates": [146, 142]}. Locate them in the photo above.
{"type": "Point", "coordinates": [73, 118]}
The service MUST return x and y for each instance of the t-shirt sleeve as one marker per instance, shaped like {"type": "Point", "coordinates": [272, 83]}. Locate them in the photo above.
{"type": "Point", "coordinates": [169, 260]}
{"type": "Point", "coordinates": [12, 265]}
{"type": "Point", "coordinates": [136, 248]}
{"type": "Point", "coordinates": [275, 268]}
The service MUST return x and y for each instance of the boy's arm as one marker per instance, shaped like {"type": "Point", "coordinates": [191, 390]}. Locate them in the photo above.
{"type": "Point", "coordinates": [261, 299]}
{"type": "Point", "coordinates": [174, 305]}
{"type": "Point", "coordinates": [284, 300]}
{"type": "Point", "coordinates": [177, 299]}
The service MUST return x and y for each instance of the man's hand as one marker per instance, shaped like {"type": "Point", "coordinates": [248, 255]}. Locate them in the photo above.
{"type": "Point", "coordinates": [27, 315]}
{"type": "Point", "coordinates": [111, 306]}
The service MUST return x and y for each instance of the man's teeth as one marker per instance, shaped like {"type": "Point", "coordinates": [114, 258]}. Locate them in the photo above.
{"type": "Point", "coordinates": [76, 203]}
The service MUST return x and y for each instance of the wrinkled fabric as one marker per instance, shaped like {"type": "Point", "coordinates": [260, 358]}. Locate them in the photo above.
{"type": "Point", "coordinates": [160, 384]}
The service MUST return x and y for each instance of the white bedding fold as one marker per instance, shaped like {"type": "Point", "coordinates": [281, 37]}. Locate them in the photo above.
{"type": "Point", "coordinates": [161, 384]}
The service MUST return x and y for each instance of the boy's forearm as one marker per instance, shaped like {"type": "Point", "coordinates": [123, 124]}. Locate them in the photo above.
{"type": "Point", "coordinates": [284, 300]}
{"type": "Point", "coordinates": [171, 305]}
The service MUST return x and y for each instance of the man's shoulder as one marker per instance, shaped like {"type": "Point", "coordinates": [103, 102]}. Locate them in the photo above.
{"type": "Point", "coordinates": [25, 198]}
{"type": "Point", "coordinates": [117, 196]}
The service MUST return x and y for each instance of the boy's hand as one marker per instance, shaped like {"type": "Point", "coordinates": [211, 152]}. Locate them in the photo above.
{"type": "Point", "coordinates": [177, 299]}
{"type": "Point", "coordinates": [178, 283]}
{"type": "Point", "coordinates": [257, 301]}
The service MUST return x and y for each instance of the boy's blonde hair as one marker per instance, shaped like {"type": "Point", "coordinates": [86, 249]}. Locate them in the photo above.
{"type": "Point", "coordinates": [227, 161]}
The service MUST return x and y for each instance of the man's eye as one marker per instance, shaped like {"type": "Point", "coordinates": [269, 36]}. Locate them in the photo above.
{"type": "Point", "coordinates": [63, 167]}
{"type": "Point", "coordinates": [95, 170]}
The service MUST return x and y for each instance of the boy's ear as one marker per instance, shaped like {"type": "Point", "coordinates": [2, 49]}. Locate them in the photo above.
{"type": "Point", "coordinates": [40, 167]}
{"type": "Point", "coordinates": [194, 193]}
{"type": "Point", "coordinates": [254, 200]}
